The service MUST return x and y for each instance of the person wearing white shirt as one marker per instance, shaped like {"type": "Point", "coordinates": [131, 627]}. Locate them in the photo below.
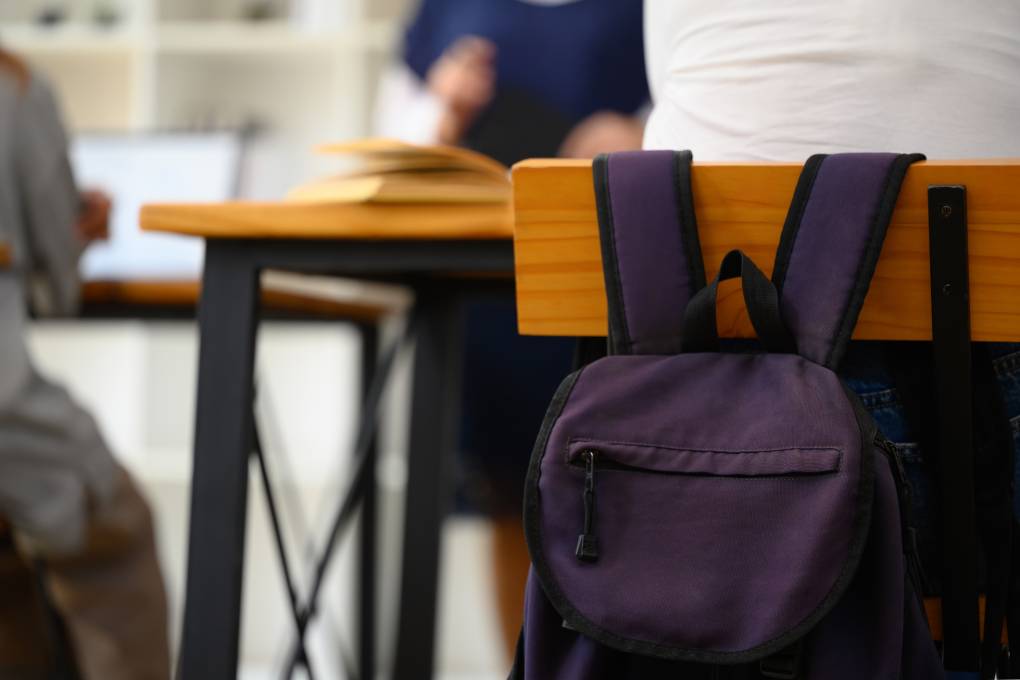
{"type": "Point", "coordinates": [747, 80]}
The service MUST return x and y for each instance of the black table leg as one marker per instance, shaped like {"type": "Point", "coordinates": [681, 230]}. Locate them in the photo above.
{"type": "Point", "coordinates": [435, 403]}
{"type": "Point", "coordinates": [219, 486]}
{"type": "Point", "coordinates": [369, 500]}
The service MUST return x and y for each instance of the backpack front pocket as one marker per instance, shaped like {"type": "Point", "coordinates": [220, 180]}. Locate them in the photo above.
{"type": "Point", "coordinates": [593, 457]}
{"type": "Point", "coordinates": [669, 519]}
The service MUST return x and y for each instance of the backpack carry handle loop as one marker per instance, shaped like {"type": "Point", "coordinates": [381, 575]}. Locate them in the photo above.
{"type": "Point", "coordinates": [700, 331]}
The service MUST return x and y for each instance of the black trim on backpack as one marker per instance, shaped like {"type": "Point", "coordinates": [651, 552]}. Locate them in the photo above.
{"type": "Point", "coordinates": [866, 268]}
{"type": "Point", "coordinates": [688, 221]}
{"type": "Point", "coordinates": [556, 405]}
{"type": "Point", "coordinates": [619, 336]}
{"type": "Point", "coordinates": [794, 216]}
{"type": "Point", "coordinates": [587, 350]}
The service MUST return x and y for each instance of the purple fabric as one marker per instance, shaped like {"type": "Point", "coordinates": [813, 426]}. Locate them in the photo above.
{"type": "Point", "coordinates": [833, 235]}
{"type": "Point", "coordinates": [841, 647]}
{"type": "Point", "coordinates": [649, 248]}
{"type": "Point", "coordinates": [895, 642]}
{"type": "Point", "coordinates": [552, 651]}
{"type": "Point", "coordinates": [701, 561]}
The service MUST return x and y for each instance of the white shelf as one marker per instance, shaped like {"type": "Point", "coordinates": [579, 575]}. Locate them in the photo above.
{"type": "Point", "coordinates": [199, 37]}
{"type": "Point", "coordinates": [77, 39]}
{"type": "Point", "coordinates": [276, 38]}
{"type": "Point", "coordinates": [305, 78]}
{"type": "Point", "coordinates": [228, 37]}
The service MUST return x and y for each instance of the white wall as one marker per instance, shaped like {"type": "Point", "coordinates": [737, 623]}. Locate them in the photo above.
{"type": "Point", "coordinates": [305, 76]}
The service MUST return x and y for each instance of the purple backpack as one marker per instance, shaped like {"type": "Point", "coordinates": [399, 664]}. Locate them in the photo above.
{"type": "Point", "coordinates": [696, 513]}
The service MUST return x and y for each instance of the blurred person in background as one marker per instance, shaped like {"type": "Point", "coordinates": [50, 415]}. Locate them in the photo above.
{"type": "Point", "coordinates": [514, 79]}
{"type": "Point", "coordinates": [80, 589]}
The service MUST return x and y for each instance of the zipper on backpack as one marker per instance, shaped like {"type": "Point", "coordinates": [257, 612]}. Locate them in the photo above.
{"type": "Point", "coordinates": [909, 533]}
{"type": "Point", "coordinates": [587, 549]}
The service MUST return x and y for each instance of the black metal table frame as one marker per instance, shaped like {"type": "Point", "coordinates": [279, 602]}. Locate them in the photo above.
{"type": "Point", "coordinates": [228, 317]}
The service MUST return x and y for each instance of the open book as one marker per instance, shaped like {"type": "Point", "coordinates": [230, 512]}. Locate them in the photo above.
{"type": "Point", "coordinates": [390, 171]}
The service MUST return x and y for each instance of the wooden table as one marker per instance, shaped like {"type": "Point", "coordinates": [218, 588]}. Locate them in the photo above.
{"type": "Point", "coordinates": [5, 255]}
{"type": "Point", "coordinates": [424, 247]}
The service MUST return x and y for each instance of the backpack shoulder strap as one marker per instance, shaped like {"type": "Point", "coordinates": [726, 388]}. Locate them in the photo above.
{"type": "Point", "coordinates": [651, 256]}
{"type": "Point", "coordinates": [830, 245]}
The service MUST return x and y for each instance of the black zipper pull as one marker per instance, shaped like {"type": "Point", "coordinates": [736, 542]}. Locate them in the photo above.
{"type": "Point", "coordinates": [587, 545]}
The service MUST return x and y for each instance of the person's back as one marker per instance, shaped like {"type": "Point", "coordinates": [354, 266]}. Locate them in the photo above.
{"type": "Point", "coordinates": [779, 81]}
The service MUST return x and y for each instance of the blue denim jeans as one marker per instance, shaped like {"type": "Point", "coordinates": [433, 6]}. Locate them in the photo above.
{"type": "Point", "coordinates": [866, 371]}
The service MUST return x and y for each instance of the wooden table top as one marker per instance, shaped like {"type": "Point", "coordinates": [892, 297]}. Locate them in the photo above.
{"type": "Point", "coordinates": [293, 293]}
{"type": "Point", "coordinates": [5, 255]}
{"type": "Point", "coordinates": [295, 220]}
{"type": "Point", "coordinates": [560, 286]}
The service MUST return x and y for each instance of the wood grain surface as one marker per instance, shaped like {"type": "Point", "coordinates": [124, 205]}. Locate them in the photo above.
{"type": "Point", "coordinates": [285, 219]}
{"type": "Point", "coordinates": [560, 289]}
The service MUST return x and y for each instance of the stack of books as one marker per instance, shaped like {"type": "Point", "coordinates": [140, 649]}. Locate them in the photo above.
{"type": "Point", "coordinates": [387, 171]}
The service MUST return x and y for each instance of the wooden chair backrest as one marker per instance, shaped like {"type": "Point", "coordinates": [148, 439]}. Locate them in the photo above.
{"type": "Point", "coordinates": [560, 289]}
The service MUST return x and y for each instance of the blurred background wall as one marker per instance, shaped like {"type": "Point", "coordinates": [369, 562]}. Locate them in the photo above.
{"type": "Point", "coordinates": [289, 74]}
{"type": "Point", "coordinates": [298, 71]}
